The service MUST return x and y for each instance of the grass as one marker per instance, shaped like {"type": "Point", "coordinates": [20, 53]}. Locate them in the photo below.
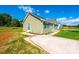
{"type": "Point", "coordinates": [17, 45]}
{"type": "Point", "coordinates": [73, 28]}
{"type": "Point", "coordinates": [2, 29]}
{"type": "Point", "coordinates": [71, 34]}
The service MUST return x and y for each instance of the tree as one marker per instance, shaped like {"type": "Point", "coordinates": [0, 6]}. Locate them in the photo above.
{"type": "Point", "coordinates": [15, 23]}
{"type": "Point", "coordinates": [5, 19]}
{"type": "Point", "coordinates": [78, 25]}
{"type": "Point", "coordinates": [1, 20]}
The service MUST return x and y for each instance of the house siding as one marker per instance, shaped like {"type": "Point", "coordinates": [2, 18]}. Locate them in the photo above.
{"type": "Point", "coordinates": [36, 26]}
{"type": "Point", "coordinates": [48, 28]}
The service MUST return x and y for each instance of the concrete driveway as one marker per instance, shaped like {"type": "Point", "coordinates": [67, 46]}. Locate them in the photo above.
{"type": "Point", "coordinates": [55, 44]}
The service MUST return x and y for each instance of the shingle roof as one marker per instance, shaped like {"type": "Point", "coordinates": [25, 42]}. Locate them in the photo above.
{"type": "Point", "coordinates": [52, 20]}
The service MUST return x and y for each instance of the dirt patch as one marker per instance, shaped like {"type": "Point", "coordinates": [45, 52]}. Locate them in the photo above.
{"type": "Point", "coordinates": [5, 36]}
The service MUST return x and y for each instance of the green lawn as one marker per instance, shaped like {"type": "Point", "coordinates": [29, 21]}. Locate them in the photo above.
{"type": "Point", "coordinates": [15, 44]}
{"type": "Point", "coordinates": [73, 28]}
{"type": "Point", "coordinates": [71, 33]}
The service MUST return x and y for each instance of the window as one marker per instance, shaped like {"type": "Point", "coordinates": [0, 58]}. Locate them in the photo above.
{"type": "Point", "coordinates": [28, 26]}
{"type": "Point", "coordinates": [56, 26]}
{"type": "Point", "coordinates": [46, 25]}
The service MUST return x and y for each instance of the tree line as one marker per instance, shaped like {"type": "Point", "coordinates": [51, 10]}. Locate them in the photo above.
{"type": "Point", "coordinates": [8, 20]}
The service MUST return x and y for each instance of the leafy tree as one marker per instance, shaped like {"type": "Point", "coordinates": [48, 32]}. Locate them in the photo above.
{"type": "Point", "coordinates": [16, 23]}
{"type": "Point", "coordinates": [78, 25]}
{"type": "Point", "coordinates": [5, 19]}
{"type": "Point", "coordinates": [1, 20]}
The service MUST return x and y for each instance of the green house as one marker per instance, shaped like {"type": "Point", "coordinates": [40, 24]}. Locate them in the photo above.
{"type": "Point", "coordinates": [38, 25]}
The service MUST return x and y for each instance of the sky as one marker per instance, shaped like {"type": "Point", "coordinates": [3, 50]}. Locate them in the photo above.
{"type": "Point", "coordinates": [65, 14]}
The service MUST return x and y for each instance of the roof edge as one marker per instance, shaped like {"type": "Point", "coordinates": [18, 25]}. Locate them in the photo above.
{"type": "Point", "coordinates": [36, 16]}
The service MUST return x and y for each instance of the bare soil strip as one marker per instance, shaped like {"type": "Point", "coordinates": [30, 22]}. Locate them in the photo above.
{"type": "Point", "coordinates": [5, 36]}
